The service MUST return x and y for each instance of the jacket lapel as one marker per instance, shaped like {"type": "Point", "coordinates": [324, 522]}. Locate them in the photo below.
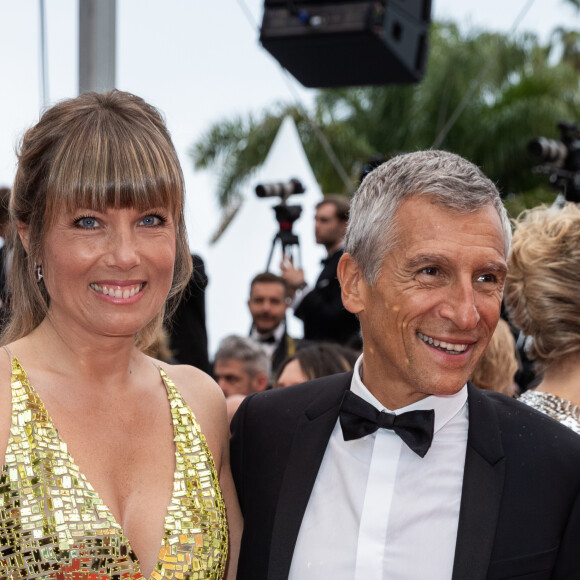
{"type": "Point", "coordinates": [482, 490]}
{"type": "Point", "coordinates": [311, 437]}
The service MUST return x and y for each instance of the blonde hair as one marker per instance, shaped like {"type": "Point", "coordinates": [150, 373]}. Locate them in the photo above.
{"type": "Point", "coordinates": [496, 369]}
{"type": "Point", "coordinates": [98, 151]}
{"type": "Point", "coordinates": [542, 293]}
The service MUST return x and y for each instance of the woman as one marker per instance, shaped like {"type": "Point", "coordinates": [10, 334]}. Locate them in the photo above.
{"type": "Point", "coordinates": [542, 297]}
{"type": "Point", "coordinates": [312, 362]}
{"type": "Point", "coordinates": [497, 367]}
{"type": "Point", "coordinates": [115, 464]}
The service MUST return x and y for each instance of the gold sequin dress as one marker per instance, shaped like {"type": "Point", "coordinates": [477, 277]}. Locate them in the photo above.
{"type": "Point", "coordinates": [53, 524]}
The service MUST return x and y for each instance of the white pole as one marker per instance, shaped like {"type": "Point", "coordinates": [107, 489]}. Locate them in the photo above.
{"type": "Point", "coordinates": [43, 58]}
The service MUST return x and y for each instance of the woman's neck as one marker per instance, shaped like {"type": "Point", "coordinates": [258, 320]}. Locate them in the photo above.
{"type": "Point", "coordinates": [91, 355]}
{"type": "Point", "coordinates": [563, 379]}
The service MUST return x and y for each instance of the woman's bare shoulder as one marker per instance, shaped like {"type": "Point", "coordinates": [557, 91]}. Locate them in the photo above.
{"type": "Point", "coordinates": [204, 397]}
{"type": "Point", "coordinates": [194, 385]}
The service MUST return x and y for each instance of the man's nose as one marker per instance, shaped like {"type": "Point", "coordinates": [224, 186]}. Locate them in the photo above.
{"type": "Point", "coordinates": [461, 307]}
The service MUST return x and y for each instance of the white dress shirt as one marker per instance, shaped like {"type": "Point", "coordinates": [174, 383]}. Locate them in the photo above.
{"type": "Point", "coordinates": [269, 347]}
{"type": "Point", "coordinates": [378, 511]}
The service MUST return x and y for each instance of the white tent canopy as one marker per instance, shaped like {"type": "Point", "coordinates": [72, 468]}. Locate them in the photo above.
{"type": "Point", "coordinates": [243, 249]}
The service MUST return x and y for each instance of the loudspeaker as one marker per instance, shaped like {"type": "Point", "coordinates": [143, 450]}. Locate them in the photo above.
{"type": "Point", "coordinates": [333, 44]}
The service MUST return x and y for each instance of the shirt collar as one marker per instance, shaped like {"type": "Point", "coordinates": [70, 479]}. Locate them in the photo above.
{"type": "Point", "coordinates": [277, 333]}
{"type": "Point", "coordinates": [445, 407]}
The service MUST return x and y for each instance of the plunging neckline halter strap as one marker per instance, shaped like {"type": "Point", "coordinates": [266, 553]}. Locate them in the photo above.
{"type": "Point", "coordinates": [71, 529]}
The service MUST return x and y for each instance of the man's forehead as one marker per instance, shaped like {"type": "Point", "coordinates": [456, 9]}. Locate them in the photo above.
{"type": "Point", "coordinates": [230, 365]}
{"type": "Point", "coordinates": [437, 235]}
{"type": "Point", "coordinates": [267, 288]}
{"type": "Point", "coordinates": [327, 210]}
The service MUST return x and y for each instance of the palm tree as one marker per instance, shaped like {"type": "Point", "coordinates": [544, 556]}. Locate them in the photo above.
{"type": "Point", "coordinates": [484, 96]}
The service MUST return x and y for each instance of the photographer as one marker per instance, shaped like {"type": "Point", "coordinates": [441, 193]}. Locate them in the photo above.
{"type": "Point", "coordinates": [321, 308]}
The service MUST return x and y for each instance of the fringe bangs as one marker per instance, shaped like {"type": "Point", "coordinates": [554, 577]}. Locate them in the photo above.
{"type": "Point", "coordinates": [106, 166]}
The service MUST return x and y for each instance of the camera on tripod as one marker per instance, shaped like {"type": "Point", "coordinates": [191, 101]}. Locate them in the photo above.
{"type": "Point", "coordinates": [561, 160]}
{"type": "Point", "coordinates": [286, 214]}
{"type": "Point", "coordinates": [282, 190]}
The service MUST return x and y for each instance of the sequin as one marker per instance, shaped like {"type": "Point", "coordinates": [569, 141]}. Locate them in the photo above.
{"type": "Point", "coordinates": [54, 525]}
{"type": "Point", "coordinates": [560, 409]}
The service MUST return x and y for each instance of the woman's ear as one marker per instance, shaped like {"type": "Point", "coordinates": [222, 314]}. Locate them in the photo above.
{"type": "Point", "coordinates": [23, 231]}
{"type": "Point", "coordinates": [351, 281]}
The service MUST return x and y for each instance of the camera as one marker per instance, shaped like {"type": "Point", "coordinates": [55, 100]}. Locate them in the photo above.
{"type": "Point", "coordinates": [282, 190]}
{"type": "Point", "coordinates": [561, 160]}
{"type": "Point", "coordinates": [286, 215]}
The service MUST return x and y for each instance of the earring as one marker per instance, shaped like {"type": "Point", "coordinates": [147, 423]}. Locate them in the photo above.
{"type": "Point", "coordinates": [39, 275]}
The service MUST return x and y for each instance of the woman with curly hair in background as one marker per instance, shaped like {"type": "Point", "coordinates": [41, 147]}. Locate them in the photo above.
{"type": "Point", "coordinates": [542, 297]}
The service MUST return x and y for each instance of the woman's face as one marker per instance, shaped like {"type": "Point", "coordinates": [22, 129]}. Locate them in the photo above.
{"type": "Point", "coordinates": [292, 374]}
{"type": "Point", "coordinates": [108, 272]}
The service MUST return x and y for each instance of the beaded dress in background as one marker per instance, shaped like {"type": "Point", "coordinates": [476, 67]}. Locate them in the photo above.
{"type": "Point", "coordinates": [53, 524]}
{"type": "Point", "coordinates": [560, 409]}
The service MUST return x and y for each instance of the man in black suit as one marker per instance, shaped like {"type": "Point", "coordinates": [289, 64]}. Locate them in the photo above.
{"type": "Point", "coordinates": [320, 308]}
{"type": "Point", "coordinates": [402, 469]}
{"type": "Point", "coordinates": [268, 303]}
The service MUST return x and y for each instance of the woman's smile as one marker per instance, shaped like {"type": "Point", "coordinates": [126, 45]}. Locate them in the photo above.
{"type": "Point", "coordinates": [118, 290]}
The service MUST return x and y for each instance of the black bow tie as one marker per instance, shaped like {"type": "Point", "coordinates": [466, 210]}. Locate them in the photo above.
{"type": "Point", "coordinates": [268, 340]}
{"type": "Point", "coordinates": [359, 418]}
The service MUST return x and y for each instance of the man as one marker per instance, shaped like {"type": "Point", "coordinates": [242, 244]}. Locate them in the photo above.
{"type": "Point", "coordinates": [320, 308]}
{"type": "Point", "coordinates": [400, 470]}
{"type": "Point", "coordinates": [268, 303]}
{"type": "Point", "coordinates": [241, 367]}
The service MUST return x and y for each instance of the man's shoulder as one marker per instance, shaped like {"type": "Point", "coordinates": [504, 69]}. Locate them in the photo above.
{"type": "Point", "coordinates": [295, 399]}
{"type": "Point", "coordinates": [269, 419]}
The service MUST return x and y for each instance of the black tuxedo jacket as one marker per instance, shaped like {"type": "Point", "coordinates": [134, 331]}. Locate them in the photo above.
{"type": "Point", "coordinates": [520, 504]}
{"type": "Point", "coordinates": [286, 347]}
{"type": "Point", "coordinates": [324, 316]}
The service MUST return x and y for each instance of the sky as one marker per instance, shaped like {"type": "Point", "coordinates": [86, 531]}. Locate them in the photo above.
{"type": "Point", "coordinates": [198, 63]}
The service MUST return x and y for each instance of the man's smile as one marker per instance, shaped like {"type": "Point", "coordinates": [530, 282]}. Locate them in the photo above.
{"type": "Point", "coordinates": [443, 346]}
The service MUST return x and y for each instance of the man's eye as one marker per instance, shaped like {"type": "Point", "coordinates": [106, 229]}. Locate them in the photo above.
{"type": "Point", "coordinates": [487, 278]}
{"type": "Point", "coordinates": [429, 270]}
{"type": "Point", "coordinates": [87, 222]}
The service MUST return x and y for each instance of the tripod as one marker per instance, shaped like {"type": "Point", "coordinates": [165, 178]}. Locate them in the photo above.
{"type": "Point", "coordinates": [286, 215]}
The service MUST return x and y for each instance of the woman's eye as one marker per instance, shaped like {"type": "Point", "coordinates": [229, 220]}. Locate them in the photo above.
{"type": "Point", "coordinates": [152, 220]}
{"type": "Point", "coordinates": [87, 223]}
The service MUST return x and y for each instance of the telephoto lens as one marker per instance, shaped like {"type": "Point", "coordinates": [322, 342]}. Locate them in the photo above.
{"type": "Point", "coordinates": [283, 190]}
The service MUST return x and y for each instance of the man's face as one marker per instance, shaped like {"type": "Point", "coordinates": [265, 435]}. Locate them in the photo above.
{"type": "Point", "coordinates": [267, 305]}
{"type": "Point", "coordinates": [232, 378]}
{"type": "Point", "coordinates": [328, 229]}
{"type": "Point", "coordinates": [428, 319]}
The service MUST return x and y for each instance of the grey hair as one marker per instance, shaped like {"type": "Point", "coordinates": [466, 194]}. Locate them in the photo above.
{"type": "Point", "coordinates": [452, 182]}
{"type": "Point", "coordinates": [254, 359]}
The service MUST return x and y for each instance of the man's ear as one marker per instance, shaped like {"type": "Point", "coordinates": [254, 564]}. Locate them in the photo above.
{"type": "Point", "coordinates": [352, 284]}
{"type": "Point", "coordinates": [260, 382]}
{"type": "Point", "coordinates": [23, 231]}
